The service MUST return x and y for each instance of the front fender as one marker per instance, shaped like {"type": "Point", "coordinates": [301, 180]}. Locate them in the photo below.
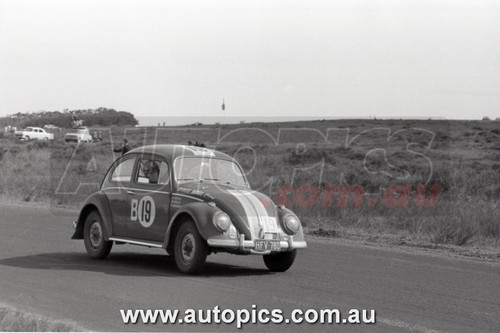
{"type": "Point", "coordinates": [201, 213]}
{"type": "Point", "coordinates": [282, 212]}
{"type": "Point", "coordinates": [96, 201]}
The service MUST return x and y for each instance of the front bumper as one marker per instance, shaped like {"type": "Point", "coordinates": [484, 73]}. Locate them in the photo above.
{"type": "Point", "coordinates": [248, 246]}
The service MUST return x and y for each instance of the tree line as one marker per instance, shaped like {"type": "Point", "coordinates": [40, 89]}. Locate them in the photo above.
{"type": "Point", "coordinates": [91, 117]}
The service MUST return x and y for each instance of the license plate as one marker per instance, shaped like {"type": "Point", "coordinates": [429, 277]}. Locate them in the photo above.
{"type": "Point", "coordinates": [265, 244]}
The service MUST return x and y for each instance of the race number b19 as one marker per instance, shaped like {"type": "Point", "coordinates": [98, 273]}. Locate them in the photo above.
{"type": "Point", "coordinates": [143, 210]}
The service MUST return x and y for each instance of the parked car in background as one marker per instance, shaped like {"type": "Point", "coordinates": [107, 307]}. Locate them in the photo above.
{"type": "Point", "coordinates": [51, 127]}
{"type": "Point", "coordinates": [80, 134]}
{"type": "Point", "coordinates": [190, 201]}
{"type": "Point", "coordinates": [34, 133]}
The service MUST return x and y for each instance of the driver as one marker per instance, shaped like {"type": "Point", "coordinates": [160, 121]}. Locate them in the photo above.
{"type": "Point", "coordinates": [151, 171]}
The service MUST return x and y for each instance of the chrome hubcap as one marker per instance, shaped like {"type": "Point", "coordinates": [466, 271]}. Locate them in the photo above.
{"type": "Point", "coordinates": [188, 247]}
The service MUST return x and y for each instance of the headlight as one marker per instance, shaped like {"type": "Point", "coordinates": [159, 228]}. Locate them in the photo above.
{"type": "Point", "coordinates": [291, 224]}
{"type": "Point", "coordinates": [221, 221]}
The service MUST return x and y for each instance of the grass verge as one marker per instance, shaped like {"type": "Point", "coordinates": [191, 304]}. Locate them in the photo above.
{"type": "Point", "coordinates": [15, 320]}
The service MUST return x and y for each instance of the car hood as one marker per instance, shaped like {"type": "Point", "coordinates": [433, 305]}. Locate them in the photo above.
{"type": "Point", "coordinates": [253, 213]}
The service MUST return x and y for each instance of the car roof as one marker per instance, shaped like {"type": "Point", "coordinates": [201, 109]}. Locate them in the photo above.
{"type": "Point", "coordinates": [172, 152]}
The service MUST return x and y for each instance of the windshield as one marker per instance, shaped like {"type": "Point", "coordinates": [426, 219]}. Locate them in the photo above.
{"type": "Point", "coordinates": [208, 169]}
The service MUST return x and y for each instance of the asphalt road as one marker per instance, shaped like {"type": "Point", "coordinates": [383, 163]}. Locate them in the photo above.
{"type": "Point", "coordinates": [43, 271]}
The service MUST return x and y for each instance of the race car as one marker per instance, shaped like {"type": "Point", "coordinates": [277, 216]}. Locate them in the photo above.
{"type": "Point", "coordinates": [190, 201]}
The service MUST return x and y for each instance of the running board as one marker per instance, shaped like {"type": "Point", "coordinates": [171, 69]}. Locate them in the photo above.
{"type": "Point", "coordinates": [123, 240]}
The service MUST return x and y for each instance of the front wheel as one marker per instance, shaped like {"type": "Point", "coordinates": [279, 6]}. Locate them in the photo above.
{"type": "Point", "coordinates": [280, 262]}
{"type": "Point", "coordinates": [93, 235]}
{"type": "Point", "coordinates": [190, 250]}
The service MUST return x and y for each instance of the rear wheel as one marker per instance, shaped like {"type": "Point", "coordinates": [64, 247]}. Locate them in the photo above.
{"type": "Point", "coordinates": [280, 262]}
{"type": "Point", "coordinates": [93, 235]}
{"type": "Point", "coordinates": [190, 250]}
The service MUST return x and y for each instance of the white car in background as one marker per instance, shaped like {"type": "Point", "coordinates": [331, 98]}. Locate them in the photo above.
{"type": "Point", "coordinates": [34, 133]}
{"type": "Point", "coordinates": [81, 134]}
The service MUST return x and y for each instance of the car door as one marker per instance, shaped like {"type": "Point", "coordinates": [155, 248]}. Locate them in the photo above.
{"type": "Point", "coordinates": [149, 200]}
{"type": "Point", "coordinates": [116, 187]}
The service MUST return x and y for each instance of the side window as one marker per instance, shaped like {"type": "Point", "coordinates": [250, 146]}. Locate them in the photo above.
{"type": "Point", "coordinates": [123, 172]}
{"type": "Point", "coordinates": [153, 172]}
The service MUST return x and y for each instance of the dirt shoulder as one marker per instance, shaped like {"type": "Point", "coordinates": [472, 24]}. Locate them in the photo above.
{"type": "Point", "coordinates": [477, 253]}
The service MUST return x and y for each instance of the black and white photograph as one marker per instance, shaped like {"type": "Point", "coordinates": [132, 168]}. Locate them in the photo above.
{"type": "Point", "coordinates": [249, 166]}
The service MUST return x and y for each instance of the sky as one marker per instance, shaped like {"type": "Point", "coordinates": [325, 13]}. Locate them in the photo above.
{"type": "Point", "coordinates": [298, 58]}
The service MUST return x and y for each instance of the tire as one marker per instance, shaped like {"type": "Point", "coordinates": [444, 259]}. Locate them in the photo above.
{"type": "Point", "coordinates": [280, 262]}
{"type": "Point", "coordinates": [27, 138]}
{"type": "Point", "coordinates": [190, 250]}
{"type": "Point", "coordinates": [46, 138]}
{"type": "Point", "coordinates": [93, 236]}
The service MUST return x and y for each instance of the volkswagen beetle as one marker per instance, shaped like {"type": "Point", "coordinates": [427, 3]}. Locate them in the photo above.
{"type": "Point", "coordinates": [190, 201]}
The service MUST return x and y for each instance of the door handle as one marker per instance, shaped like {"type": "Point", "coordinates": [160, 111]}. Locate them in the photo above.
{"type": "Point", "coordinates": [130, 192]}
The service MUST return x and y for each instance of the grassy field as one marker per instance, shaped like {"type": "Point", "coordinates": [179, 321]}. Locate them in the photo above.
{"type": "Point", "coordinates": [415, 181]}
{"type": "Point", "coordinates": [14, 320]}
